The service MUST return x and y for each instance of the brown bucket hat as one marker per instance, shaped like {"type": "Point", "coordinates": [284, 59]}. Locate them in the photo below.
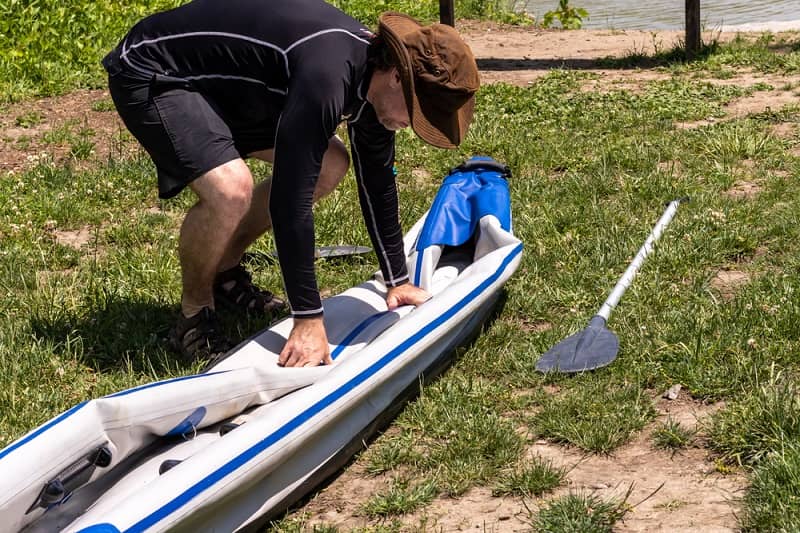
{"type": "Point", "coordinates": [439, 77]}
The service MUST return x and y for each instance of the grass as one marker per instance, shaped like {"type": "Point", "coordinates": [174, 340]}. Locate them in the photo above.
{"type": "Point", "coordinates": [55, 46]}
{"type": "Point", "coordinates": [535, 478]}
{"type": "Point", "coordinates": [773, 501]}
{"type": "Point", "coordinates": [671, 435]}
{"type": "Point", "coordinates": [591, 173]}
{"type": "Point", "coordinates": [400, 498]}
{"type": "Point", "coordinates": [765, 420]}
{"type": "Point", "coordinates": [579, 512]}
{"type": "Point", "coordinates": [597, 417]}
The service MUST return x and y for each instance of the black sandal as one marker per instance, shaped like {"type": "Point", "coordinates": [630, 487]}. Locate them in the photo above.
{"type": "Point", "coordinates": [198, 338]}
{"type": "Point", "coordinates": [235, 290]}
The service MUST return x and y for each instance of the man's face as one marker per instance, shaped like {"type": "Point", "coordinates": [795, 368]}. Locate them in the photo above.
{"type": "Point", "coordinates": [390, 103]}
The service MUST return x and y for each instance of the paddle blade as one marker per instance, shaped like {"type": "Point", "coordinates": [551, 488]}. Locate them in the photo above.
{"type": "Point", "coordinates": [593, 347]}
{"type": "Point", "coordinates": [340, 250]}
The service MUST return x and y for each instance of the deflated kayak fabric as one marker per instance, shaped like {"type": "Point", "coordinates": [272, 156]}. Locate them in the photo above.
{"type": "Point", "coordinates": [227, 449]}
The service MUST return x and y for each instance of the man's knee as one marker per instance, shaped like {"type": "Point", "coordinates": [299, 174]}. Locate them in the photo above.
{"type": "Point", "coordinates": [334, 167]}
{"type": "Point", "coordinates": [227, 188]}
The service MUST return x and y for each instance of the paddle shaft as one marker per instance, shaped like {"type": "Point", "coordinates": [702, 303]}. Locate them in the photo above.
{"type": "Point", "coordinates": [627, 278]}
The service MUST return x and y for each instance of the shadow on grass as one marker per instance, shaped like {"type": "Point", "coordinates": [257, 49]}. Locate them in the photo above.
{"type": "Point", "coordinates": [115, 335]}
{"type": "Point", "coordinates": [633, 60]}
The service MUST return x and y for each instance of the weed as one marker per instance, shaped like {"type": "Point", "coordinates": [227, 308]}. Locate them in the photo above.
{"type": "Point", "coordinates": [671, 505]}
{"type": "Point", "coordinates": [671, 435]}
{"type": "Point", "coordinates": [532, 478]}
{"type": "Point", "coordinates": [570, 18]}
{"type": "Point", "coordinates": [401, 498]}
{"type": "Point", "coordinates": [103, 106]}
{"type": "Point", "coordinates": [582, 512]}
{"type": "Point", "coordinates": [29, 119]}
{"type": "Point", "coordinates": [60, 134]}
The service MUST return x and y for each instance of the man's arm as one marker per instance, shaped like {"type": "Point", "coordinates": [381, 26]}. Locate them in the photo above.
{"type": "Point", "coordinates": [310, 116]}
{"type": "Point", "coordinates": [372, 148]}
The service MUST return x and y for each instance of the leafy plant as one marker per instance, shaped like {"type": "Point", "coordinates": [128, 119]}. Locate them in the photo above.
{"type": "Point", "coordinates": [571, 18]}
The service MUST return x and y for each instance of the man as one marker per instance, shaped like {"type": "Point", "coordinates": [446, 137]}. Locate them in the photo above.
{"type": "Point", "coordinates": [208, 84]}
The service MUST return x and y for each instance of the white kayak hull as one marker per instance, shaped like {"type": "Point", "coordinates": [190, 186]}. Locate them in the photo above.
{"type": "Point", "coordinates": [292, 427]}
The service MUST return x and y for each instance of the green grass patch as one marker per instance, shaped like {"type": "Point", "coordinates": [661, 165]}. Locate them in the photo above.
{"type": "Point", "coordinates": [29, 119]}
{"type": "Point", "coordinates": [597, 418]}
{"type": "Point", "coordinates": [528, 479]}
{"type": "Point", "coordinates": [765, 420]}
{"type": "Point", "coordinates": [582, 512]}
{"type": "Point", "coordinates": [773, 501]}
{"type": "Point", "coordinates": [671, 435]}
{"type": "Point", "coordinates": [401, 498]}
{"type": "Point", "coordinates": [54, 46]}
{"type": "Point", "coordinates": [455, 433]}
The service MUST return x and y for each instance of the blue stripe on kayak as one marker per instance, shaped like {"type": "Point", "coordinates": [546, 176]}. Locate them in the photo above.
{"type": "Point", "coordinates": [418, 269]}
{"type": "Point", "coordinates": [72, 411]}
{"type": "Point", "coordinates": [42, 429]}
{"type": "Point", "coordinates": [160, 383]}
{"type": "Point", "coordinates": [353, 334]}
{"type": "Point", "coordinates": [244, 457]}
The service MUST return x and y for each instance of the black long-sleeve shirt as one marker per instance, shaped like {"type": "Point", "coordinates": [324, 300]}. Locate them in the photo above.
{"type": "Point", "coordinates": [302, 66]}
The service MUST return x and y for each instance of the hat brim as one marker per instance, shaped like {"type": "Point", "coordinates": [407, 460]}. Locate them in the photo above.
{"type": "Point", "coordinates": [443, 130]}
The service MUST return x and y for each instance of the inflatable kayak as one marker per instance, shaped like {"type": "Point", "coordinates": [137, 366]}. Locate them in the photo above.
{"type": "Point", "coordinates": [232, 447]}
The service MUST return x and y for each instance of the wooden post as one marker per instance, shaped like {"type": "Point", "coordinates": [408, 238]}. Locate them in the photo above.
{"type": "Point", "coordinates": [447, 12]}
{"type": "Point", "coordinates": [692, 28]}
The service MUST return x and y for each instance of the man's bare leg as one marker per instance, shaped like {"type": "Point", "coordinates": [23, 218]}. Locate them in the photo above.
{"type": "Point", "coordinates": [224, 197]}
{"type": "Point", "coordinates": [257, 222]}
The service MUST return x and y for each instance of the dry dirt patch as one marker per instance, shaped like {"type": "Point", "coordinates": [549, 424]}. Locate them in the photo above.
{"type": "Point", "coordinates": [744, 190]}
{"type": "Point", "coordinates": [727, 282]}
{"type": "Point", "coordinates": [76, 239]}
{"type": "Point", "coordinates": [674, 492]}
{"type": "Point", "coordinates": [521, 55]}
{"type": "Point", "coordinates": [18, 145]}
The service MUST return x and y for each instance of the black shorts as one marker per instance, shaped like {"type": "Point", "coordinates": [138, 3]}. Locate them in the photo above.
{"type": "Point", "coordinates": [184, 131]}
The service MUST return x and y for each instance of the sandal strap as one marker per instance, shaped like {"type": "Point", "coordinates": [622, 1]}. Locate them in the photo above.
{"type": "Point", "coordinates": [198, 336]}
{"type": "Point", "coordinates": [243, 294]}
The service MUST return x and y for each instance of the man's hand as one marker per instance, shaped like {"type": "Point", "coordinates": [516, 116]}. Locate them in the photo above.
{"type": "Point", "coordinates": [307, 344]}
{"type": "Point", "coordinates": [407, 294]}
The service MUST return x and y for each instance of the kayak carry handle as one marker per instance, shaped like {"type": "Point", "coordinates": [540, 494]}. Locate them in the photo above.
{"type": "Point", "coordinates": [485, 163]}
{"type": "Point", "coordinates": [168, 465]}
{"type": "Point", "coordinates": [72, 477]}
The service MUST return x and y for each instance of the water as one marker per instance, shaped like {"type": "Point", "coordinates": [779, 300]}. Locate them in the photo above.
{"type": "Point", "coordinates": [670, 14]}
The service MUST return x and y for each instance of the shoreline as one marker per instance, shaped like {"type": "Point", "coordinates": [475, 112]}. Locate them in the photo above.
{"type": "Point", "coordinates": [772, 26]}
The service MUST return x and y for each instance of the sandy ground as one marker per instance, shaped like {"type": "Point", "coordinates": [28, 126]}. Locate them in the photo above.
{"type": "Point", "coordinates": [668, 492]}
{"type": "Point", "coordinates": [682, 492]}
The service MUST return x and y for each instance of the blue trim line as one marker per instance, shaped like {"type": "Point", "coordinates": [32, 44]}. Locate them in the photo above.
{"type": "Point", "coordinates": [159, 383]}
{"type": "Point", "coordinates": [41, 430]}
{"type": "Point", "coordinates": [244, 457]}
{"type": "Point", "coordinates": [189, 423]}
{"type": "Point", "coordinates": [418, 269]}
{"type": "Point", "coordinates": [353, 334]}
{"type": "Point", "coordinates": [67, 414]}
